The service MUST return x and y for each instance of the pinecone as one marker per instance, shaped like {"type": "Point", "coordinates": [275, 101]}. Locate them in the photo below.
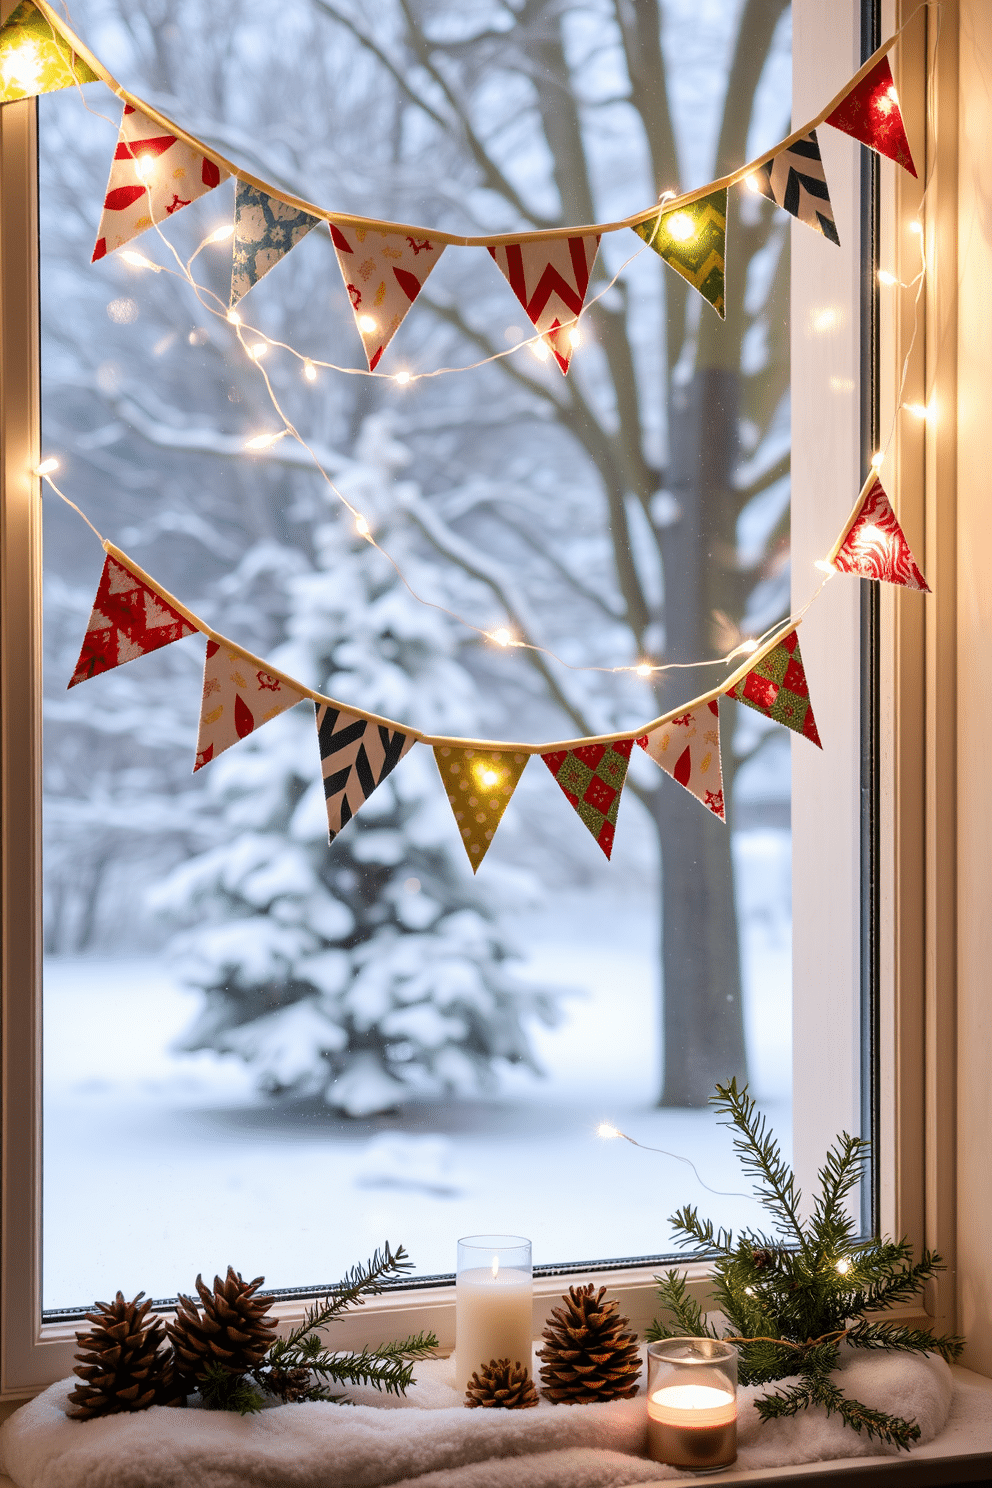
{"type": "Point", "coordinates": [501, 1386]}
{"type": "Point", "coordinates": [290, 1385]}
{"type": "Point", "coordinates": [121, 1363]}
{"type": "Point", "coordinates": [588, 1356]}
{"type": "Point", "coordinates": [232, 1330]}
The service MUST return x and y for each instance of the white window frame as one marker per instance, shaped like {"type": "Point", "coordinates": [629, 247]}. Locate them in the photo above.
{"type": "Point", "coordinates": [917, 1020]}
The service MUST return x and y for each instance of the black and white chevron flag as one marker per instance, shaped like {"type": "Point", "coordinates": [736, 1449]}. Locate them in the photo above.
{"type": "Point", "coordinates": [794, 179]}
{"type": "Point", "coordinates": [355, 757]}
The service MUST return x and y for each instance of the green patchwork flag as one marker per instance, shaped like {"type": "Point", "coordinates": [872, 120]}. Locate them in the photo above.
{"type": "Point", "coordinates": [35, 58]}
{"type": "Point", "coordinates": [592, 778]}
{"type": "Point", "coordinates": [776, 686]}
{"type": "Point", "coordinates": [693, 240]}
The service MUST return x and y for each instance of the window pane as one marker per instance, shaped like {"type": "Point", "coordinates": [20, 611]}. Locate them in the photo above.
{"type": "Point", "coordinates": [264, 1050]}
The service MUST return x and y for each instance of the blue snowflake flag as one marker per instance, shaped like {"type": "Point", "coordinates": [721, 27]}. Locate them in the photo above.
{"type": "Point", "coordinates": [265, 229]}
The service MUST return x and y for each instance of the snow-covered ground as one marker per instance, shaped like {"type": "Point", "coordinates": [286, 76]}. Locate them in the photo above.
{"type": "Point", "coordinates": [159, 1166]}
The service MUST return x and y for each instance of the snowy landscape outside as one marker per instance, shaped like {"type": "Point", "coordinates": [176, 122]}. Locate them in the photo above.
{"type": "Point", "coordinates": [264, 1051]}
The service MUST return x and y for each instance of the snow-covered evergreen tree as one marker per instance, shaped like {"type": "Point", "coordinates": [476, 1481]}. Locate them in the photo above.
{"type": "Point", "coordinates": [374, 968]}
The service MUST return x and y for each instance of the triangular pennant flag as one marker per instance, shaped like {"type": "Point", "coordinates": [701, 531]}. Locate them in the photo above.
{"type": "Point", "coordinates": [355, 757]}
{"type": "Point", "coordinates": [383, 272]}
{"type": "Point", "coordinates": [688, 749]}
{"type": "Point", "coordinates": [693, 240]}
{"type": "Point", "coordinates": [550, 278]}
{"type": "Point", "coordinates": [794, 179]}
{"type": "Point", "coordinates": [479, 784]}
{"type": "Point", "coordinates": [35, 58]}
{"type": "Point", "coordinates": [592, 778]}
{"type": "Point", "coordinates": [128, 620]}
{"type": "Point", "coordinates": [154, 174]}
{"type": "Point", "coordinates": [875, 545]}
{"type": "Point", "coordinates": [237, 699]}
{"type": "Point", "coordinates": [776, 686]}
{"type": "Point", "coordinates": [871, 113]}
{"type": "Point", "coordinates": [265, 229]}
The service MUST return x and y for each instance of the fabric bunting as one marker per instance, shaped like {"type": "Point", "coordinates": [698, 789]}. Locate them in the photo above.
{"type": "Point", "coordinates": [871, 114]}
{"type": "Point", "coordinates": [154, 174]}
{"type": "Point", "coordinates": [479, 784]}
{"type": "Point", "coordinates": [383, 272]}
{"type": "Point", "coordinates": [237, 699]}
{"type": "Point", "coordinates": [776, 686]}
{"type": "Point", "coordinates": [35, 59]}
{"type": "Point", "coordinates": [355, 757]}
{"type": "Point", "coordinates": [794, 179]}
{"type": "Point", "coordinates": [128, 620]}
{"type": "Point", "coordinates": [688, 749]}
{"type": "Point", "coordinates": [550, 278]}
{"type": "Point", "coordinates": [693, 240]}
{"type": "Point", "coordinates": [875, 545]}
{"type": "Point", "coordinates": [592, 778]}
{"type": "Point", "coordinates": [265, 229]}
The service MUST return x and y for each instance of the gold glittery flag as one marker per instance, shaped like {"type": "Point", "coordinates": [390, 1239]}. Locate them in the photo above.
{"type": "Point", "coordinates": [693, 240]}
{"type": "Point", "coordinates": [479, 783]}
{"type": "Point", "coordinates": [35, 59]}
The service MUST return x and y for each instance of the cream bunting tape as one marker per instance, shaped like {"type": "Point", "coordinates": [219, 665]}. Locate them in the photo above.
{"type": "Point", "coordinates": [455, 239]}
{"type": "Point", "coordinates": [870, 480]}
{"type": "Point", "coordinates": [786, 628]}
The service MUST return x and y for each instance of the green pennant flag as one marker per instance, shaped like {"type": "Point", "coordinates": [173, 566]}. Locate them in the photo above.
{"type": "Point", "coordinates": [35, 58]}
{"type": "Point", "coordinates": [693, 240]}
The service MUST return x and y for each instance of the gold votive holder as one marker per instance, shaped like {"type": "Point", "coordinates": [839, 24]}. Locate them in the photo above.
{"type": "Point", "coordinates": [692, 1403]}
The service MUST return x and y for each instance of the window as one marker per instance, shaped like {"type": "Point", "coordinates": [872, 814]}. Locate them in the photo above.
{"type": "Point", "coordinates": [825, 817]}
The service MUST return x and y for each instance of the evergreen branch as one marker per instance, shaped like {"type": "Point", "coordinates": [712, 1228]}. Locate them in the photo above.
{"type": "Point", "coordinates": [674, 1294]}
{"type": "Point", "coordinates": [881, 1335]}
{"type": "Point", "coordinates": [761, 1156]}
{"type": "Point", "coordinates": [897, 1285]}
{"type": "Point", "coordinates": [222, 1390]}
{"type": "Point", "coordinates": [355, 1285]}
{"type": "Point", "coordinates": [700, 1233]}
{"type": "Point", "coordinates": [820, 1391]}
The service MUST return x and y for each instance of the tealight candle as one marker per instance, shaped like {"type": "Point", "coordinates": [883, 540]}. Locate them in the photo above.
{"type": "Point", "coordinates": [692, 1403]}
{"type": "Point", "coordinates": [493, 1303]}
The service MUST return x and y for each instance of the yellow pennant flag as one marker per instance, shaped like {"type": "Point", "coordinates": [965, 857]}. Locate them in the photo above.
{"type": "Point", "coordinates": [479, 783]}
{"type": "Point", "coordinates": [693, 241]}
{"type": "Point", "coordinates": [35, 58]}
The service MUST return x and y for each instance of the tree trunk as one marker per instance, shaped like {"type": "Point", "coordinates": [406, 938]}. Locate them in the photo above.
{"type": "Point", "coordinates": [703, 1019]}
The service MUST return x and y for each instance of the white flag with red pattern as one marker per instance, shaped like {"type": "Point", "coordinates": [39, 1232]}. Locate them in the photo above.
{"type": "Point", "coordinates": [383, 273]}
{"type": "Point", "coordinates": [687, 748]}
{"type": "Point", "coordinates": [550, 278]}
{"type": "Point", "coordinates": [154, 174]}
{"type": "Point", "coordinates": [238, 697]}
{"type": "Point", "coordinates": [128, 620]}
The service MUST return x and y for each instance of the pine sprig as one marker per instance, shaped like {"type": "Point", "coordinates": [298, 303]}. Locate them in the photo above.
{"type": "Point", "coordinates": [792, 1298]}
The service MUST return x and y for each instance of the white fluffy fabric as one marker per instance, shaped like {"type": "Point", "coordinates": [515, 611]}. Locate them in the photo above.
{"type": "Point", "coordinates": [428, 1440]}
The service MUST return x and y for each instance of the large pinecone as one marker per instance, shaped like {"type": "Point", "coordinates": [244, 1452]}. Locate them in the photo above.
{"type": "Point", "coordinates": [121, 1362]}
{"type": "Point", "coordinates": [588, 1355]}
{"type": "Point", "coordinates": [231, 1331]}
{"type": "Point", "coordinates": [501, 1385]}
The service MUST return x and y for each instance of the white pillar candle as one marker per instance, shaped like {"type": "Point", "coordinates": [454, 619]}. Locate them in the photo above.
{"type": "Point", "coordinates": [493, 1318]}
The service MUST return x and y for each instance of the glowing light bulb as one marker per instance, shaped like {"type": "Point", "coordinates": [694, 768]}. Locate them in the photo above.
{"type": "Point", "coordinates": [233, 318]}
{"type": "Point", "coordinates": [490, 777]}
{"type": "Point", "coordinates": [220, 234]}
{"type": "Point", "coordinates": [367, 323]}
{"type": "Point", "coordinates": [916, 227]}
{"type": "Point", "coordinates": [402, 378]}
{"type": "Point", "coordinates": [138, 260]}
{"type": "Point", "coordinates": [501, 637]}
{"type": "Point", "coordinates": [258, 351]}
{"type": "Point", "coordinates": [824, 320]}
{"type": "Point", "coordinates": [877, 460]}
{"type": "Point", "coordinates": [495, 1267]}
{"type": "Point", "coordinates": [362, 527]}
{"type": "Point", "coordinates": [919, 410]}
{"type": "Point", "coordinates": [540, 350]}
{"type": "Point", "coordinates": [262, 441]}
{"type": "Point", "coordinates": [644, 670]}
{"type": "Point", "coordinates": [47, 467]}
{"type": "Point", "coordinates": [843, 1266]}
{"type": "Point", "coordinates": [884, 277]}
{"type": "Point", "coordinates": [753, 183]}
{"type": "Point", "coordinates": [747, 646]}
{"type": "Point", "coordinates": [605, 1130]}
{"type": "Point", "coordinates": [871, 536]}
{"type": "Point", "coordinates": [144, 167]}
{"type": "Point", "coordinates": [309, 371]}
{"type": "Point", "coordinates": [22, 67]}
{"type": "Point", "coordinates": [575, 336]}
{"type": "Point", "coordinates": [823, 565]}
{"type": "Point", "coordinates": [680, 227]}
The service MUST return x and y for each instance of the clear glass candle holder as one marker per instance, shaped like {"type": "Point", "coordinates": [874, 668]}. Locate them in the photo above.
{"type": "Point", "coordinates": [692, 1403]}
{"type": "Point", "coordinates": [494, 1289]}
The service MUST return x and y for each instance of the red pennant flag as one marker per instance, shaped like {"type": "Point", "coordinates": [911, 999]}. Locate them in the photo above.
{"type": "Point", "coordinates": [688, 748]}
{"type": "Point", "coordinates": [776, 686]}
{"type": "Point", "coordinates": [592, 778]}
{"type": "Point", "coordinates": [550, 278]}
{"type": "Point", "coordinates": [384, 273]}
{"type": "Point", "coordinates": [871, 114]}
{"type": "Point", "coordinates": [875, 546]}
{"type": "Point", "coordinates": [128, 620]}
